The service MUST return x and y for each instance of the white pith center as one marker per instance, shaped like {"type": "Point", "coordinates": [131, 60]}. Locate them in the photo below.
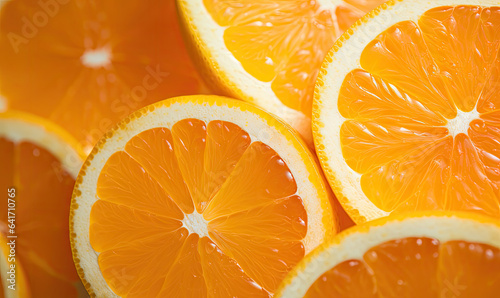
{"type": "Point", "coordinates": [461, 123]}
{"type": "Point", "coordinates": [330, 5]}
{"type": "Point", "coordinates": [195, 223]}
{"type": "Point", "coordinates": [96, 58]}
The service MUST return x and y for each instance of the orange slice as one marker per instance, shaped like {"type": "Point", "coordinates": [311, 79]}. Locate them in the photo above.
{"type": "Point", "coordinates": [406, 110]}
{"type": "Point", "coordinates": [85, 65]}
{"type": "Point", "coordinates": [199, 196]}
{"type": "Point", "coordinates": [267, 52]}
{"type": "Point", "coordinates": [432, 254]}
{"type": "Point", "coordinates": [40, 162]}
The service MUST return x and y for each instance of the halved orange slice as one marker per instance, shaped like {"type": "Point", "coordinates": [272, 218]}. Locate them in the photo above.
{"type": "Point", "coordinates": [40, 162]}
{"type": "Point", "coordinates": [199, 196]}
{"type": "Point", "coordinates": [406, 113]}
{"type": "Point", "coordinates": [432, 254]}
{"type": "Point", "coordinates": [85, 65]}
{"type": "Point", "coordinates": [267, 52]}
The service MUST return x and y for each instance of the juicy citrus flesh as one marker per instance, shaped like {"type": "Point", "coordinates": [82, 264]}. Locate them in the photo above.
{"type": "Point", "coordinates": [284, 43]}
{"type": "Point", "coordinates": [43, 194]}
{"type": "Point", "coordinates": [196, 210]}
{"type": "Point", "coordinates": [415, 267]}
{"type": "Point", "coordinates": [422, 120]}
{"type": "Point", "coordinates": [101, 63]}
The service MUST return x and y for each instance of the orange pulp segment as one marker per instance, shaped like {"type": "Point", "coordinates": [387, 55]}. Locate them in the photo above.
{"type": "Point", "coordinates": [422, 113]}
{"type": "Point", "coordinates": [88, 64]}
{"type": "Point", "coordinates": [285, 42]}
{"type": "Point", "coordinates": [167, 214]}
{"type": "Point", "coordinates": [42, 199]}
{"type": "Point", "coordinates": [415, 267]}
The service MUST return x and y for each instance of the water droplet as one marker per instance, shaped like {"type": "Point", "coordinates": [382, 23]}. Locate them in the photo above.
{"type": "Point", "coordinates": [372, 256]}
{"type": "Point", "coordinates": [269, 61]}
{"type": "Point", "coordinates": [489, 254]}
{"type": "Point", "coordinates": [210, 248]}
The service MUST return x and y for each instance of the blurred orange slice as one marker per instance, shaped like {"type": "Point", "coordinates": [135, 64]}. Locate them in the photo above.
{"type": "Point", "coordinates": [406, 114]}
{"type": "Point", "coordinates": [267, 52]}
{"type": "Point", "coordinates": [431, 254]}
{"type": "Point", "coordinates": [198, 196]}
{"type": "Point", "coordinates": [85, 65]}
{"type": "Point", "coordinates": [40, 162]}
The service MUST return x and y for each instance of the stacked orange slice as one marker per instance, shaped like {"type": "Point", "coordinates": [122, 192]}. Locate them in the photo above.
{"type": "Point", "coordinates": [40, 162]}
{"type": "Point", "coordinates": [406, 114]}
{"type": "Point", "coordinates": [267, 52]}
{"type": "Point", "coordinates": [197, 196]}
{"type": "Point", "coordinates": [430, 254]}
{"type": "Point", "coordinates": [85, 65]}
